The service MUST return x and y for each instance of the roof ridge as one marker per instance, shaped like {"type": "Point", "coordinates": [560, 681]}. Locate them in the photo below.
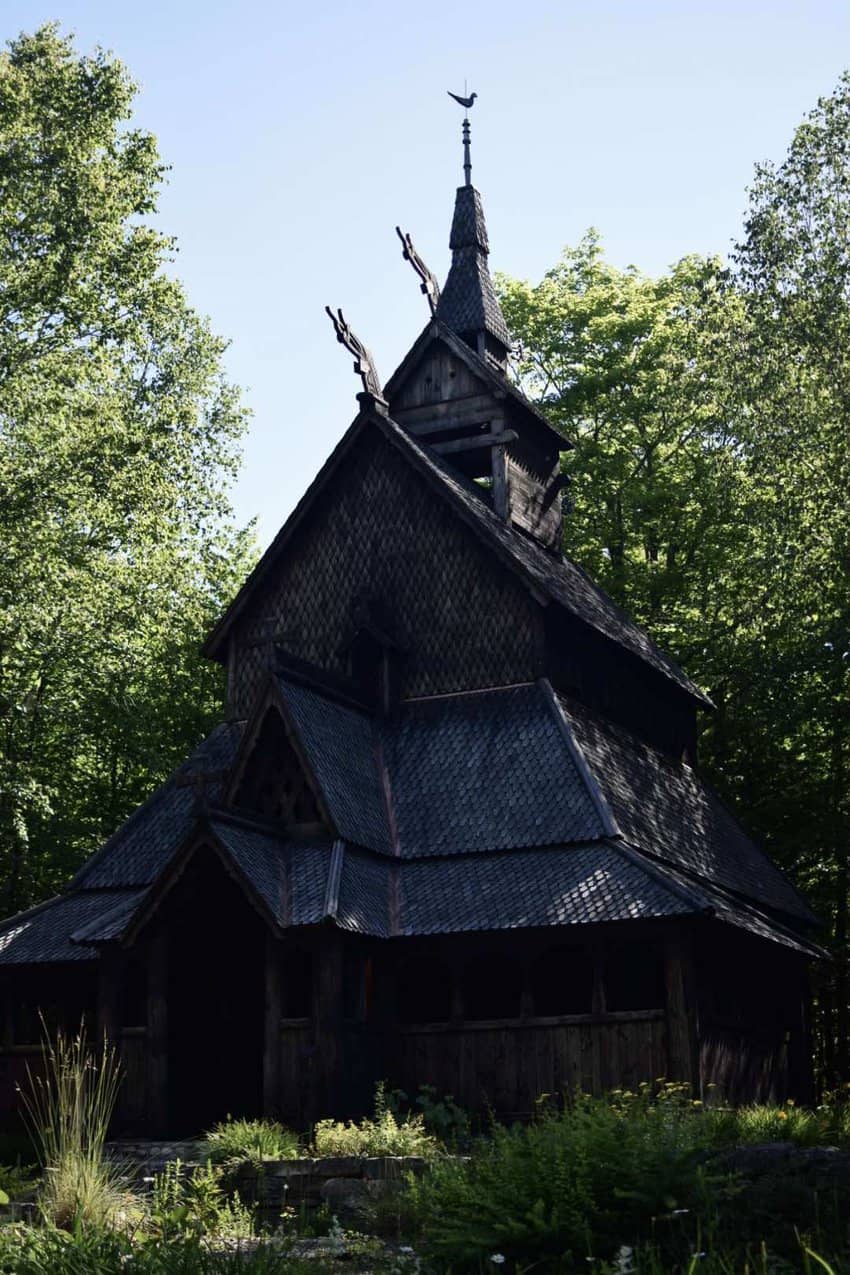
{"type": "Point", "coordinates": [603, 809]}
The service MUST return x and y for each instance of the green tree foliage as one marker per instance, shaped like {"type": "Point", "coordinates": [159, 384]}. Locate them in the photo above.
{"type": "Point", "coordinates": [793, 267]}
{"type": "Point", "coordinates": [118, 436]}
{"type": "Point", "coordinates": [710, 409]}
{"type": "Point", "coordinates": [632, 369]}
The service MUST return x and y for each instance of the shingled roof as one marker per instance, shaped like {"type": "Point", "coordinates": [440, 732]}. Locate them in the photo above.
{"type": "Point", "coordinates": [481, 810]}
{"type": "Point", "coordinates": [468, 303]}
{"type": "Point", "coordinates": [556, 577]}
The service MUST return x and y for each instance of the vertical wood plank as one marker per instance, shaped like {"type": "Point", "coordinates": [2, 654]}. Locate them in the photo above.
{"type": "Point", "coordinates": [272, 1039]}
{"type": "Point", "coordinates": [682, 1042]}
{"type": "Point", "coordinates": [328, 1023]}
{"type": "Point", "coordinates": [158, 1033]}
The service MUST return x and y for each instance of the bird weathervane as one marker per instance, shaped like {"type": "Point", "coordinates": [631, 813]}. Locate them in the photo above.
{"type": "Point", "coordinates": [467, 103]}
{"type": "Point", "coordinates": [364, 364]}
{"type": "Point", "coordinates": [428, 280]}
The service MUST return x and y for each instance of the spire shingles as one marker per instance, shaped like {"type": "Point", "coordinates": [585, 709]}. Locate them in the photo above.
{"type": "Point", "coordinates": [468, 303]}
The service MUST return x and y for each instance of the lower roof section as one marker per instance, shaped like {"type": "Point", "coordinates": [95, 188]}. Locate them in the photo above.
{"type": "Point", "coordinates": [66, 928]}
{"type": "Point", "coordinates": [296, 884]}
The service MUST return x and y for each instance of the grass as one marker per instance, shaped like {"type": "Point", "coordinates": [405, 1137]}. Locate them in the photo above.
{"type": "Point", "coordinates": [68, 1109]}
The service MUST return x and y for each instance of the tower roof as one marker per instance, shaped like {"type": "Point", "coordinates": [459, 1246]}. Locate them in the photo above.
{"type": "Point", "coordinates": [468, 303]}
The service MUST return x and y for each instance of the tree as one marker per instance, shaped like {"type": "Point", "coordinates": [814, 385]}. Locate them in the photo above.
{"type": "Point", "coordinates": [632, 370]}
{"type": "Point", "coordinates": [794, 271]}
{"type": "Point", "coordinates": [118, 437]}
{"type": "Point", "coordinates": [711, 415]}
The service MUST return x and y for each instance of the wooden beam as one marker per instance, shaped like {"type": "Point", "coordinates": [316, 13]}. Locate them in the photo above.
{"type": "Point", "coordinates": [328, 1021]}
{"type": "Point", "coordinates": [158, 1033]}
{"type": "Point", "coordinates": [271, 1039]}
{"type": "Point", "coordinates": [682, 1040]}
{"type": "Point", "coordinates": [108, 989]}
{"type": "Point", "coordinates": [501, 488]}
{"type": "Point", "coordinates": [428, 429]}
{"type": "Point", "coordinates": [476, 441]}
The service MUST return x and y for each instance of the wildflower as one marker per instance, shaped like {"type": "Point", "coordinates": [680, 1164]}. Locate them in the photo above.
{"type": "Point", "coordinates": [679, 1212]}
{"type": "Point", "coordinates": [498, 1258]}
{"type": "Point", "coordinates": [623, 1261]}
{"type": "Point", "coordinates": [405, 1248]}
{"type": "Point", "coordinates": [697, 1255]}
{"type": "Point", "coordinates": [783, 1115]}
{"type": "Point", "coordinates": [696, 1103]}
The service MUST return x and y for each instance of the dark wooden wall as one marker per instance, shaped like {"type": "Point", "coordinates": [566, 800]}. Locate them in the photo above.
{"type": "Point", "coordinates": [721, 1011]}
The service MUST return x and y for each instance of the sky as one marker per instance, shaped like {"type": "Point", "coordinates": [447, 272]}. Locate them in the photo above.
{"type": "Point", "coordinates": [299, 135]}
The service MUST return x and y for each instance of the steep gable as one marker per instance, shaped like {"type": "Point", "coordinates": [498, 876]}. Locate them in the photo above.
{"type": "Point", "coordinates": [380, 533]}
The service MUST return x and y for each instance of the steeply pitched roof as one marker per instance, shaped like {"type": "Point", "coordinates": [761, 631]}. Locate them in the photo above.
{"type": "Point", "coordinates": [553, 577]}
{"type": "Point", "coordinates": [134, 855]}
{"type": "Point", "coordinates": [468, 303]}
{"type": "Point", "coordinates": [47, 933]}
{"type": "Point", "coordinates": [667, 810]}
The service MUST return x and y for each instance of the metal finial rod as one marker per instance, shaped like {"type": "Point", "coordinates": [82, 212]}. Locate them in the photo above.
{"type": "Point", "coordinates": [467, 103]}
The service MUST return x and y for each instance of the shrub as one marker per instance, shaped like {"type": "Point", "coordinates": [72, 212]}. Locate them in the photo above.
{"type": "Point", "coordinates": [572, 1185]}
{"type": "Point", "coordinates": [16, 1180]}
{"type": "Point", "coordinates": [385, 1134]}
{"type": "Point", "coordinates": [68, 1110]}
{"type": "Point", "coordinates": [196, 1204]}
{"type": "Point", "coordinates": [234, 1142]}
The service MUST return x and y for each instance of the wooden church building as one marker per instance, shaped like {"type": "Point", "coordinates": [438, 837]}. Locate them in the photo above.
{"type": "Point", "coordinates": [450, 829]}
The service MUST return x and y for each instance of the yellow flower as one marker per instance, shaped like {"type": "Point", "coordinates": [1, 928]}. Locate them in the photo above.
{"type": "Point", "coordinates": [783, 1115]}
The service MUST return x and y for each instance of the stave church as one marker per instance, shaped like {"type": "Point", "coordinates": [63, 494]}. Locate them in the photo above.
{"type": "Point", "coordinates": [450, 830]}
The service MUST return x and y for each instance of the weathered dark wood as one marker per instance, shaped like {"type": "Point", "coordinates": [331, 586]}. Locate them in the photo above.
{"type": "Point", "coordinates": [682, 1037]}
{"type": "Point", "coordinates": [475, 442]}
{"type": "Point", "coordinates": [158, 1032]}
{"type": "Point", "coordinates": [328, 1021]}
{"type": "Point", "coordinates": [271, 1035]}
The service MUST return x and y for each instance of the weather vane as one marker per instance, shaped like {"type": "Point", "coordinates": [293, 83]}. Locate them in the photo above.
{"type": "Point", "coordinates": [467, 103]}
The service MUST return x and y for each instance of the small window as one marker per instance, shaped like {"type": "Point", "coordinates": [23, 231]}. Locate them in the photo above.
{"type": "Point", "coordinates": [424, 992]}
{"type": "Point", "coordinates": [492, 988]}
{"type": "Point", "coordinates": [296, 976]}
{"type": "Point", "coordinates": [562, 982]}
{"type": "Point", "coordinates": [634, 977]}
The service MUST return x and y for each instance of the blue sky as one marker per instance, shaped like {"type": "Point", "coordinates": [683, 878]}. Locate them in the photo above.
{"type": "Point", "coordinates": [299, 135]}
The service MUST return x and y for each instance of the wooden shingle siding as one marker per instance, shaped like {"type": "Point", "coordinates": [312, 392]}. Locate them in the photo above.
{"type": "Point", "coordinates": [462, 620]}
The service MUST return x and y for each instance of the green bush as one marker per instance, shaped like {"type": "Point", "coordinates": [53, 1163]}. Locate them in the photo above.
{"type": "Point", "coordinates": [385, 1134]}
{"type": "Point", "coordinates": [186, 1204]}
{"type": "Point", "coordinates": [234, 1142]}
{"type": "Point", "coordinates": [571, 1186]}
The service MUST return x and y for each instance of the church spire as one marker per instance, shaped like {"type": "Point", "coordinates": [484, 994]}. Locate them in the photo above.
{"type": "Point", "coordinates": [468, 303]}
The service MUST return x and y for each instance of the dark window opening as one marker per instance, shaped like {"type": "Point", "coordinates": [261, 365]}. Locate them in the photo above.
{"type": "Point", "coordinates": [634, 977]}
{"type": "Point", "coordinates": [133, 994]}
{"type": "Point", "coordinates": [274, 783]}
{"type": "Point", "coordinates": [297, 984]}
{"type": "Point", "coordinates": [562, 982]}
{"type": "Point", "coordinates": [492, 988]}
{"type": "Point", "coordinates": [424, 992]}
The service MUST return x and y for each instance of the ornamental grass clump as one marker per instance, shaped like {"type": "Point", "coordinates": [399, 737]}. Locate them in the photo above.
{"type": "Point", "coordinates": [68, 1108]}
{"type": "Point", "coordinates": [234, 1142]}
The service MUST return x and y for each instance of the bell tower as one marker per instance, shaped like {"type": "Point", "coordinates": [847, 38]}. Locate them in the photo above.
{"type": "Point", "coordinates": [452, 391]}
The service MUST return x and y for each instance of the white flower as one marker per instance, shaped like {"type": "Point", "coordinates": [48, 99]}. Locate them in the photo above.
{"type": "Point", "coordinates": [405, 1248]}
{"type": "Point", "coordinates": [623, 1261]}
{"type": "Point", "coordinates": [498, 1258]}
